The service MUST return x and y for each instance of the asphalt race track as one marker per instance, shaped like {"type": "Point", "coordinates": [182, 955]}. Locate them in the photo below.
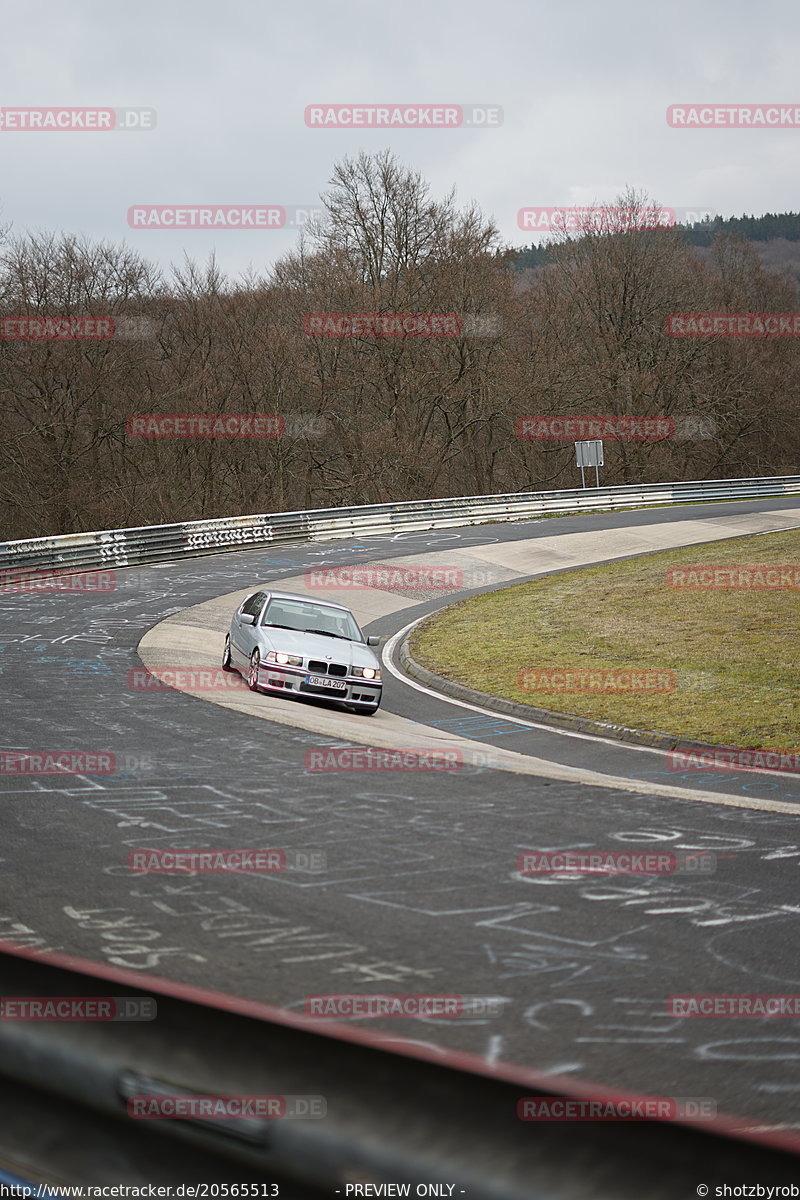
{"type": "Point", "coordinates": [420, 891]}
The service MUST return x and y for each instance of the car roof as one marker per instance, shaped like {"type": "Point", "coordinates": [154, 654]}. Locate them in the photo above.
{"type": "Point", "coordinates": [304, 599]}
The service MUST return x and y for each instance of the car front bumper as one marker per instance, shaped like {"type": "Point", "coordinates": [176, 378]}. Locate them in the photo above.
{"type": "Point", "coordinates": [272, 677]}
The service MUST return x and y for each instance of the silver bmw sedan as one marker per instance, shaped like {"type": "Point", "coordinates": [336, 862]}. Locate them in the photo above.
{"type": "Point", "coordinates": [285, 643]}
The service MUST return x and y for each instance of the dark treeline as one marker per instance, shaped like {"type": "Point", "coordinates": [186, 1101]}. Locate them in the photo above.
{"type": "Point", "coordinates": [767, 228]}
{"type": "Point", "coordinates": [755, 229]}
{"type": "Point", "coordinates": [388, 418]}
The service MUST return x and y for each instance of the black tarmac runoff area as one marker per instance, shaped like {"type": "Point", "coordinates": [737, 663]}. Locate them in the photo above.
{"type": "Point", "coordinates": [399, 883]}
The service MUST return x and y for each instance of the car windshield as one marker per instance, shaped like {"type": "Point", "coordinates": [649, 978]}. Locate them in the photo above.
{"type": "Point", "coordinates": [307, 617]}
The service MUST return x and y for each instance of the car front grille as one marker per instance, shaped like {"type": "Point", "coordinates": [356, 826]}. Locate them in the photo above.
{"type": "Point", "coordinates": [324, 668]}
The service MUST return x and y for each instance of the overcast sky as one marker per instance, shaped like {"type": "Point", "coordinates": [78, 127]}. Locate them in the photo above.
{"type": "Point", "coordinates": [584, 88]}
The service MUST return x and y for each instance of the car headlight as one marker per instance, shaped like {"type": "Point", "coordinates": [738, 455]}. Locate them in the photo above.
{"type": "Point", "coordinates": [277, 656]}
{"type": "Point", "coordinates": [366, 672]}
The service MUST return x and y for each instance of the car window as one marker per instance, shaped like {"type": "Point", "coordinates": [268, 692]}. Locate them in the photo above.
{"type": "Point", "coordinates": [306, 616]}
{"type": "Point", "coordinates": [253, 606]}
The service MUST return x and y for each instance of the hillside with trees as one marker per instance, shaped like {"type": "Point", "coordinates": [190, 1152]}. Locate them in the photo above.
{"type": "Point", "coordinates": [775, 237]}
{"type": "Point", "coordinates": [371, 419]}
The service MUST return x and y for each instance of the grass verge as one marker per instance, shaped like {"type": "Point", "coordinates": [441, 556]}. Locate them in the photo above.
{"type": "Point", "coordinates": [728, 657]}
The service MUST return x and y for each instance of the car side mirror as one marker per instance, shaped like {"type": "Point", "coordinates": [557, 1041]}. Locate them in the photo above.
{"type": "Point", "coordinates": [247, 618]}
{"type": "Point", "coordinates": [373, 640]}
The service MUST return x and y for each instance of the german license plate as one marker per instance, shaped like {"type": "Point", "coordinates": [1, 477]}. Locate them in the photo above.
{"type": "Point", "coordinates": [322, 681]}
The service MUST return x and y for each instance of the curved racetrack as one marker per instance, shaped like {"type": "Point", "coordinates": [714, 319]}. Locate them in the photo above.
{"type": "Point", "coordinates": [420, 892]}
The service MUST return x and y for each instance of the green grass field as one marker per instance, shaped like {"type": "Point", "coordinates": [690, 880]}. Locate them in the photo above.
{"type": "Point", "coordinates": [735, 652]}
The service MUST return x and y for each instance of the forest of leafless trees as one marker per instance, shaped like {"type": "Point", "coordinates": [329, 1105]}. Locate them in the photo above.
{"type": "Point", "coordinates": [371, 419]}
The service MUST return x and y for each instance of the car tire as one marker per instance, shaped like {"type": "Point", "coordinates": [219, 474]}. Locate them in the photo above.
{"type": "Point", "coordinates": [252, 673]}
{"type": "Point", "coordinates": [227, 665]}
{"type": "Point", "coordinates": [368, 712]}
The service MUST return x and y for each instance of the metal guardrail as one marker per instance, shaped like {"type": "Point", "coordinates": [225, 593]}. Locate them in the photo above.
{"type": "Point", "coordinates": [396, 1112]}
{"type": "Point", "coordinates": [160, 543]}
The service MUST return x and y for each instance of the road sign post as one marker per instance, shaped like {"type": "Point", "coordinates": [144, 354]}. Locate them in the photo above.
{"type": "Point", "coordinates": [589, 454]}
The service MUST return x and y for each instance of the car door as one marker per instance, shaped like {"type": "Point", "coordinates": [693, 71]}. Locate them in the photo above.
{"type": "Point", "coordinates": [243, 632]}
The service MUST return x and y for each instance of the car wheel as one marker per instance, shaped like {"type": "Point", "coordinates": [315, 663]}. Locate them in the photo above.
{"type": "Point", "coordinates": [227, 665]}
{"type": "Point", "coordinates": [368, 712]}
{"type": "Point", "coordinates": [252, 674]}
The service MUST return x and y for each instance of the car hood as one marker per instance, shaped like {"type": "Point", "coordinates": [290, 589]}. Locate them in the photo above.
{"type": "Point", "coordinates": [316, 645]}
